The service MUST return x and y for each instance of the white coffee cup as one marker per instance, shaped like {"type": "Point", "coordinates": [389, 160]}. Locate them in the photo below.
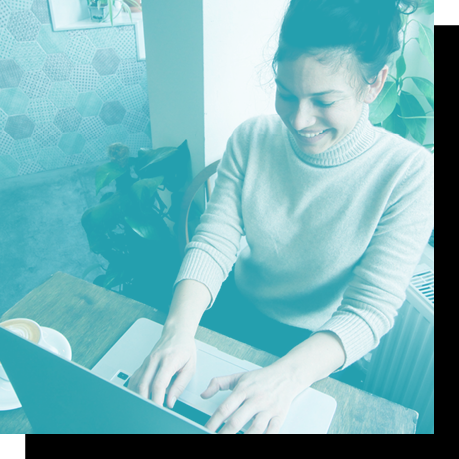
{"type": "Point", "coordinates": [27, 329]}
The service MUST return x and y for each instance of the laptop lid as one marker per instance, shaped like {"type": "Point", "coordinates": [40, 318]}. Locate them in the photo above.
{"type": "Point", "coordinates": [62, 397]}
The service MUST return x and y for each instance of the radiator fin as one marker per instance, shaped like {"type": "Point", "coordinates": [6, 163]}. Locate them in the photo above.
{"type": "Point", "coordinates": [424, 283]}
{"type": "Point", "coordinates": [402, 367]}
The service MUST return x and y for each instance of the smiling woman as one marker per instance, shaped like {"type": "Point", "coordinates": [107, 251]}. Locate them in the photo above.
{"type": "Point", "coordinates": [319, 117]}
{"type": "Point", "coordinates": [336, 213]}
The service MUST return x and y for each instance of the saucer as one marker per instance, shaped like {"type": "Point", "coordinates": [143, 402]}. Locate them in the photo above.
{"type": "Point", "coordinates": [58, 344]}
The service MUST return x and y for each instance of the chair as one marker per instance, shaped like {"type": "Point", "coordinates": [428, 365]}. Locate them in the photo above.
{"type": "Point", "coordinates": [202, 178]}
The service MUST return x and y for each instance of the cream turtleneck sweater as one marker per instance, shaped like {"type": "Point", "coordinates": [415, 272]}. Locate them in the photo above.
{"type": "Point", "coordinates": [333, 239]}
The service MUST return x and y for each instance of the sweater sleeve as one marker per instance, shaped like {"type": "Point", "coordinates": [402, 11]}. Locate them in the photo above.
{"type": "Point", "coordinates": [211, 254]}
{"type": "Point", "coordinates": [381, 277]}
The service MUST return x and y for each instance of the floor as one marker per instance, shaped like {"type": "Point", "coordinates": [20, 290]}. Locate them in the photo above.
{"type": "Point", "coordinates": [41, 231]}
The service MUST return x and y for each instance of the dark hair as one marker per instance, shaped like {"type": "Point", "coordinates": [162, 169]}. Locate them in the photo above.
{"type": "Point", "coordinates": [332, 30]}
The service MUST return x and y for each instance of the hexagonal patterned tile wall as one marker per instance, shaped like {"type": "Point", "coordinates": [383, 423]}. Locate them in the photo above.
{"type": "Point", "coordinates": [106, 61]}
{"type": "Point", "coordinates": [67, 119]}
{"type": "Point", "coordinates": [63, 94]}
{"type": "Point", "coordinates": [41, 110]}
{"type": "Point", "coordinates": [92, 128]}
{"type": "Point", "coordinates": [10, 74]}
{"type": "Point", "coordinates": [46, 135]}
{"type": "Point", "coordinates": [40, 9]}
{"type": "Point", "coordinates": [20, 4]}
{"type": "Point", "coordinates": [23, 25]}
{"type": "Point", "coordinates": [58, 67]}
{"type": "Point", "coordinates": [3, 119]}
{"type": "Point", "coordinates": [6, 143]}
{"type": "Point", "coordinates": [8, 167]}
{"type": "Point", "coordinates": [52, 42]}
{"type": "Point", "coordinates": [84, 78]}
{"type": "Point", "coordinates": [88, 104]}
{"type": "Point", "coordinates": [112, 113]}
{"type": "Point", "coordinates": [29, 55]}
{"type": "Point", "coordinates": [35, 84]}
{"type": "Point", "coordinates": [66, 96]}
{"type": "Point", "coordinates": [72, 143]}
{"type": "Point", "coordinates": [80, 50]}
{"type": "Point", "coordinates": [4, 13]}
{"type": "Point", "coordinates": [13, 101]}
{"type": "Point", "coordinates": [19, 127]}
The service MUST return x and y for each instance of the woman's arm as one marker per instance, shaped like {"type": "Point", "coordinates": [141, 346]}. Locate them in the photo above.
{"type": "Point", "coordinates": [175, 352]}
{"type": "Point", "coordinates": [191, 298]}
{"type": "Point", "coordinates": [314, 359]}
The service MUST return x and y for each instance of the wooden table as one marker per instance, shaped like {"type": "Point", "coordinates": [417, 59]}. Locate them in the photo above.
{"type": "Point", "coordinates": [77, 308]}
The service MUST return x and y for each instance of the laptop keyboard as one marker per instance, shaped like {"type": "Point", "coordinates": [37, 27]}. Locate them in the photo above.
{"type": "Point", "coordinates": [188, 411]}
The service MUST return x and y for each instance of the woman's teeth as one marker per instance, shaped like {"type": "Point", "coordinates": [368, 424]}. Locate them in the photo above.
{"type": "Point", "coordinates": [311, 135]}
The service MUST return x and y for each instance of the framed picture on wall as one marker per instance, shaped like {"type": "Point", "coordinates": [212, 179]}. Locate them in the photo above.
{"type": "Point", "coordinates": [82, 14]}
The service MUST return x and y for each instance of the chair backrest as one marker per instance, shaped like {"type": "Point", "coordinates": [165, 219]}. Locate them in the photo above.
{"type": "Point", "coordinates": [202, 178]}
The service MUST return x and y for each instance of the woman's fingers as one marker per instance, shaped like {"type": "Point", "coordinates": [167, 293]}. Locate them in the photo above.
{"type": "Point", "coordinates": [164, 368]}
{"type": "Point", "coordinates": [179, 385]}
{"type": "Point", "coordinates": [224, 411]}
{"type": "Point", "coordinates": [221, 383]}
{"type": "Point", "coordinates": [160, 383]}
{"type": "Point", "coordinates": [141, 379]}
{"type": "Point", "coordinates": [240, 417]}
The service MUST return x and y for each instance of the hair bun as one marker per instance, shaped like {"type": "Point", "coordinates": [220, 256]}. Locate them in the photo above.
{"type": "Point", "coordinates": [388, 7]}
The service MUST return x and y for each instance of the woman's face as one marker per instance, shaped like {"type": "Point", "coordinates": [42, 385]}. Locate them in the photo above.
{"type": "Point", "coordinates": [310, 100]}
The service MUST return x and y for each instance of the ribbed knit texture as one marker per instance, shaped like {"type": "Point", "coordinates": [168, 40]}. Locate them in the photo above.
{"type": "Point", "coordinates": [333, 239]}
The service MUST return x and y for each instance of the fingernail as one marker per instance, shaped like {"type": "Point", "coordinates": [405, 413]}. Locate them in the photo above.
{"type": "Point", "coordinates": [173, 400]}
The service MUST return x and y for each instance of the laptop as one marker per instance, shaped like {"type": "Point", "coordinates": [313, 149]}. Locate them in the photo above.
{"type": "Point", "coordinates": [59, 396]}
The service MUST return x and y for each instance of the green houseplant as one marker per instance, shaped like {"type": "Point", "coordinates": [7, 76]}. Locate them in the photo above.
{"type": "Point", "coordinates": [101, 10]}
{"type": "Point", "coordinates": [398, 110]}
{"type": "Point", "coordinates": [128, 226]}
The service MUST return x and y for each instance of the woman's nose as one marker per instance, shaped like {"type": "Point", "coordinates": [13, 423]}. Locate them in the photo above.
{"type": "Point", "coordinates": [303, 117]}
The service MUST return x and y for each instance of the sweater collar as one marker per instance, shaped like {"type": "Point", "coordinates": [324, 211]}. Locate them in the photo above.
{"type": "Point", "coordinates": [353, 145]}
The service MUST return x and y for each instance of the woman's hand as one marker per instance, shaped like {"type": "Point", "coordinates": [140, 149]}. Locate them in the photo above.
{"type": "Point", "coordinates": [265, 395]}
{"type": "Point", "coordinates": [171, 363]}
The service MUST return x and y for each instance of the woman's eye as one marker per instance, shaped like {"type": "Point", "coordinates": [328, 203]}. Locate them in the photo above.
{"type": "Point", "coordinates": [291, 98]}
{"type": "Point", "coordinates": [323, 104]}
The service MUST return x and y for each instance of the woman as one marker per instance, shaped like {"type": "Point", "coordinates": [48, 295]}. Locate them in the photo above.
{"type": "Point", "coordinates": [336, 213]}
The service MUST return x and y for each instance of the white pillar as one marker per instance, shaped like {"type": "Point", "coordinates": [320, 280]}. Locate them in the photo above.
{"type": "Point", "coordinates": [175, 69]}
{"type": "Point", "coordinates": [207, 61]}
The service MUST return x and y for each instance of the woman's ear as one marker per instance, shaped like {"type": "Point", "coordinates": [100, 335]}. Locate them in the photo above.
{"type": "Point", "coordinates": [375, 88]}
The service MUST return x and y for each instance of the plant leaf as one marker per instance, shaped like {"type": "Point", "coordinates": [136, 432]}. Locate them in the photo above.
{"type": "Point", "coordinates": [158, 155]}
{"type": "Point", "coordinates": [107, 173]}
{"type": "Point", "coordinates": [394, 124]}
{"type": "Point", "coordinates": [99, 280]}
{"type": "Point", "coordinates": [428, 6]}
{"type": "Point", "coordinates": [384, 104]}
{"type": "Point", "coordinates": [114, 275]}
{"type": "Point", "coordinates": [127, 10]}
{"type": "Point", "coordinates": [90, 269]}
{"type": "Point", "coordinates": [110, 10]}
{"type": "Point", "coordinates": [147, 188]}
{"type": "Point", "coordinates": [427, 88]}
{"type": "Point", "coordinates": [143, 227]}
{"type": "Point", "coordinates": [426, 42]}
{"type": "Point", "coordinates": [401, 66]}
{"type": "Point", "coordinates": [427, 117]}
{"type": "Point", "coordinates": [412, 108]}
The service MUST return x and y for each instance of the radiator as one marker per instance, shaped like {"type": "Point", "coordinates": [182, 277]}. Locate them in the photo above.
{"type": "Point", "coordinates": [402, 367]}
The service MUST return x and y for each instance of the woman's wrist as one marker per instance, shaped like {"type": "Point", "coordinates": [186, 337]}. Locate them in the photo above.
{"type": "Point", "coordinates": [191, 298]}
{"type": "Point", "coordinates": [313, 360]}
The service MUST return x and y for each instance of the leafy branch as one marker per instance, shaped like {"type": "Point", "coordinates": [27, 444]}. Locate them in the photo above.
{"type": "Point", "coordinates": [396, 109]}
